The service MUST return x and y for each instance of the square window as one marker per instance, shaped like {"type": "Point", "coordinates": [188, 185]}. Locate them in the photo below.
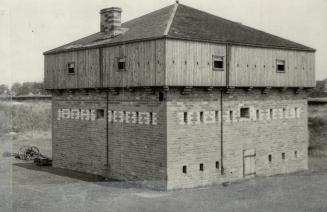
{"type": "Point", "coordinates": [217, 164]}
{"type": "Point", "coordinates": [137, 117]}
{"type": "Point", "coordinates": [185, 117]}
{"type": "Point", "coordinates": [283, 156]}
{"type": "Point", "coordinates": [231, 115]}
{"type": "Point", "coordinates": [71, 67]}
{"type": "Point", "coordinates": [280, 66]}
{"type": "Point", "coordinates": [121, 64]}
{"type": "Point", "coordinates": [217, 116]}
{"type": "Point", "coordinates": [151, 118]}
{"type": "Point", "coordinates": [217, 63]}
{"type": "Point", "coordinates": [184, 169]}
{"type": "Point", "coordinates": [245, 112]}
{"type": "Point", "coordinates": [257, 114]}
{"type": "Point", "coordinates": [201, 167]}
{"type": "Point", "coordinates": [201, 116]}
{"type": "Point", "coordinates": [99, 113]}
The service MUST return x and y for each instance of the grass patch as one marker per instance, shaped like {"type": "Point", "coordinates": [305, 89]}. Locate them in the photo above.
{"type": "Point", "coordinates": [317, 131]}
{"type": "Point", "coordinates": [21, 117]}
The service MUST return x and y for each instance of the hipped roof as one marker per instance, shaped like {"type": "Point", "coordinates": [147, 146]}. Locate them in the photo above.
{"type": "Point", "coordinates": [179, 21]}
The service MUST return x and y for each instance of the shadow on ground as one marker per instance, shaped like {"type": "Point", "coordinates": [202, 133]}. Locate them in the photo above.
{"type": "Point", "coordinates": [27, 173]}
{"type": "Point", "coordinates": [61, 172]}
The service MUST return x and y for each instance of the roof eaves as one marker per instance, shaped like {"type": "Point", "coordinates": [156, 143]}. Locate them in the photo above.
{"type": "Point", "coordinates": [308, 49]}
{"type": "Point", "coordinates": [103, 45]}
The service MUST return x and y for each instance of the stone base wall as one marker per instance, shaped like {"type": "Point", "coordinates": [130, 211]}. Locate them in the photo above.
{"type": "Point", "coordinates": [136, 137]}
{"type": "Point", "coordinates": [78, 136]}
{"type": "Point", "coordinates": [175, 141]}
{"type": "Point", "coordinates": [194, 135]}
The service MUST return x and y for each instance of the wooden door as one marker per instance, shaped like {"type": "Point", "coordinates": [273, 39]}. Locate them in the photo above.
{"type": "Point", "coordinates": [249, 163]}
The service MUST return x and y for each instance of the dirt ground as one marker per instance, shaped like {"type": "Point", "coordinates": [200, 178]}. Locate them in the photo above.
{"type": "Point", "coordinates": [25, 187]}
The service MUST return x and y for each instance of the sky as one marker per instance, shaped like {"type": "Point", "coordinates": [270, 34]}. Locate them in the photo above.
{"type": "Point", "coordinates": [30, 27]}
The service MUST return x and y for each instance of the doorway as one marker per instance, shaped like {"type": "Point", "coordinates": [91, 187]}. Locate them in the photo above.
{"type": "Point", "coordinates": [249, 163]}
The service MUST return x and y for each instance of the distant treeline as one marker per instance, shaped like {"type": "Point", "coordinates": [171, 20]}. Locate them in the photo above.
{"type": "Point", "coordinates": [22, 89]}
{"type": "Point", "coordinates": [320, 90]}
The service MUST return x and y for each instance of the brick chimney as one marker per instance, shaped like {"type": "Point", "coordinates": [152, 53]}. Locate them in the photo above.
{"type": "Point", "coordinates": [110, 22]}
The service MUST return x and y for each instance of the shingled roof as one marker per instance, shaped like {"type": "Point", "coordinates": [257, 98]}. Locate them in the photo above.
{"type": "Point", "coordinates": [182, 22]}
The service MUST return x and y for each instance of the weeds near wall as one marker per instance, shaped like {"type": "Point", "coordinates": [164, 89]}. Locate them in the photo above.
{"type": "Point", "coordinates": [318, 131]}
{"type": "Point", "coordinates": [21, 117]}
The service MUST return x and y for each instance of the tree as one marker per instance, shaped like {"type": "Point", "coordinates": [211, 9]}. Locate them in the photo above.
{"type": "Point", "coordinates": [27, 88]}
{"type": "Point", "coordinates": [4, 90]}
{"type": "Point", "coordinates": [15, 88]}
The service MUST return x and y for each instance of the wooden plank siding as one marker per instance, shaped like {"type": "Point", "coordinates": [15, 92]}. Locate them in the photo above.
{"type": "Point", "coordinates": [256, 67]}
{"type": "Point", "coordinates": [168, 62]}
{"type": "Point", "coordinates": [145, 62]}
{"type": "Point", "coordinates": [189, 63]}
{"type": "Point", "coordinates": [86, 70]}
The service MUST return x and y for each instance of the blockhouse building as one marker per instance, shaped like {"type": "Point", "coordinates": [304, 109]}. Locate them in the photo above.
{"type": "Point", "coordinates": [179, 98]}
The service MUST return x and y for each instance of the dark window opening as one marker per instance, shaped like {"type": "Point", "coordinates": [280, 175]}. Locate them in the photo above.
{"type": "Point", "coordinates": [184, 169]}
{"type": "Point", "coordinates": [269, 158]}
{"type": "Point", "coordinates": [137, 117]}
{"type": "Point", "coordinates": [245, 112]}
{"type": "Point", "coordinates": [185, 117]}
{"type": "Point", "coordinates": [218, 62]}
{"type": "Point", "coordinates": [161, 96]}
{"type": "Point", "coordinates": [216, 115]}
{"type": "Point", "coordinates": [296, 112]}
{"type": "Point", "coordinates": [280, 65]}
{"type": "Point", "coordinates": [99, 113]}
{"type": "Point", "coordinates": [284, 112]}
{"type": "Point", "coordinates": [110, 114]}
{"type": "Point", "coordinates": [271, 113]}
{"type": "Point", "coordinates": [283, 156]}
{"type": "Point", "coordinates": [217, 164]}
{"type": "Point", "coordinates": [71, 68]}
{"type": "Point", "coordinates": [201, 167]}
{"type": "Point", "coordinates": [257, 114]}
{"type": "Point", "coordinates": [151, 118]}
{"type": "Point", "coordinates": [121, 64]}
{"type": "Point", "coordinates": [201, 116]}
{"type": "Point", "coordinates": [295, 154]}
{"type": "Point", "coordinates": [230, 115]}
{"type": "Point", "coordinates": [124, 115]}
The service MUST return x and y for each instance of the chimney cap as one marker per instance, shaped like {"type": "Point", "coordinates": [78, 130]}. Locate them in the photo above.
{"type": "Point", "coordinates": [110, 9]}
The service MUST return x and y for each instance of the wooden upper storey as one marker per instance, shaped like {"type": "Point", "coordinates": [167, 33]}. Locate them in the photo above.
{"type": "Point", "coordinates": [181, 46]}
{"type": "Point", "coordinates": [179, 63]}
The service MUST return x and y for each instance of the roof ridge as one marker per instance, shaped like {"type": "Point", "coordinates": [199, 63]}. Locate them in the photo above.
{"type": "Point", "coordinates": [171, 18]}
